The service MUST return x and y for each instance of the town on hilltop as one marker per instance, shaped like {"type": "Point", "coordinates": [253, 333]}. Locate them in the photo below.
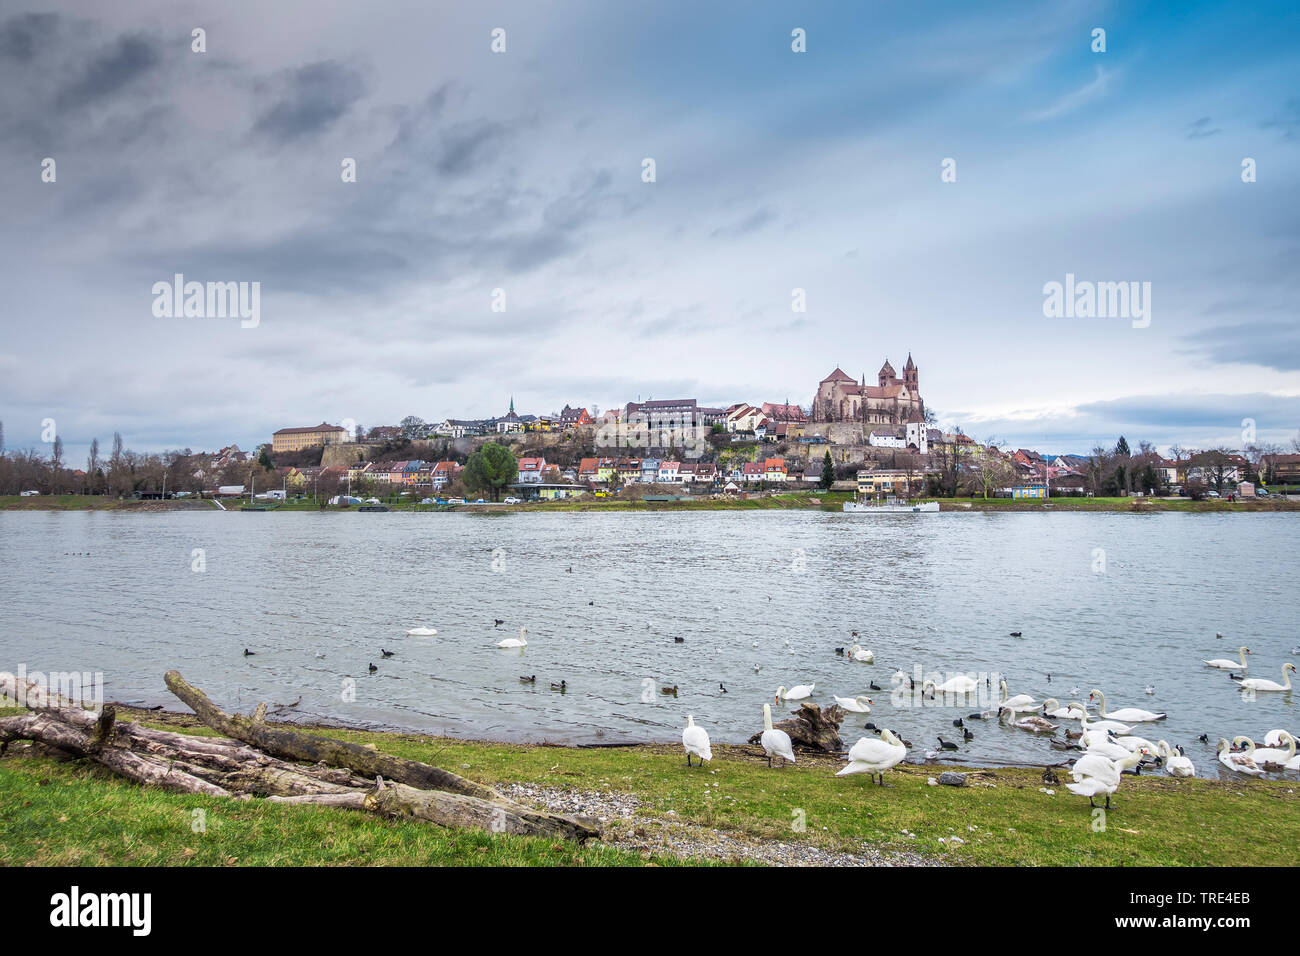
{"type": "Point", "coordinates": [874, 439]}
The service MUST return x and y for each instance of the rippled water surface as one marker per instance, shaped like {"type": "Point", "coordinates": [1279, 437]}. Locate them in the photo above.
{"type": "Point", "coordinates": [761, 599]}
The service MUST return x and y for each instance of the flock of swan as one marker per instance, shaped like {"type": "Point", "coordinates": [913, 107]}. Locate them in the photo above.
{"type": "Point", "coordinates": [1109, 743]}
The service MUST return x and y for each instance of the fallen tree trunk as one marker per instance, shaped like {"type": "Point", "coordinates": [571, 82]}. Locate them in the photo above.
{"type": "Point", "coordinates": [255, 759]}
{"type": "Point", "coordinates": [812, 728]}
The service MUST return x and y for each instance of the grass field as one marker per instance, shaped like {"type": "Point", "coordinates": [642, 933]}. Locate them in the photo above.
{"type": "Point", "coordinates": [75, 813]}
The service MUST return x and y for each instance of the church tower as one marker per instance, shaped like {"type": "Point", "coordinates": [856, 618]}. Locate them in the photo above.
{"type": "Point", "coordinates": [887, 376]}
{"type": "Point", "coordinates": [910, 376]}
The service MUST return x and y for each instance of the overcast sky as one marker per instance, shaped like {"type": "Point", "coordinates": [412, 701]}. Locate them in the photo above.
{"type": "Point", "coordinates": [522, 171]}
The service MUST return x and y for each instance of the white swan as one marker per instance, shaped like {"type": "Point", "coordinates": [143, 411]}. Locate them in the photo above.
{"type": "Point", "coordinates": [1273, 755]}
{"type": "Point", "coordinates": [421, 632]}
{"type": "Point", "coordinates": [1274, 738]}
{"type": "Point", "coordinates": [1238, 763]}
{"type": "Point", "coordinates": [1258, 683]}
{"type": "Point", "coordinates": [1019, 703]}
{"type": "Point", "coordinates": [961, 684]}
{"type": "Point", "coordinates": [776, 743]}
{"type": "Point", "coordinates": [1134, 715]}
{"type": "Point", "coordinates": [1131, 744]}
{"type": "Point", "coordinates": [696, 741]}
{"type": "Point", "coordinates": [1226, 664]}
{"type": "Point", "coordinates": [859, 705]}
{"type": "Point", "coordinates": [875, 755]}
{"type": "Point", "coordinates": [1175, 763]}
{"type": "Point", "coordinates": [1036, 724]}
{"type": "Point", "coordinates": [1104, 747]}
{"type": "Point", "coordinates": [520, 641]}
{"type": "Point", "coordinates": [859, 653]}
{"type": "Point", "coordinates": [1052, 708]}
{"type": "Point", "coordinates": [1106, 726]}
{"type": "Point", "coordinates": [797, 692]}
{"type": "Point", "coordinates": [1095, 775]}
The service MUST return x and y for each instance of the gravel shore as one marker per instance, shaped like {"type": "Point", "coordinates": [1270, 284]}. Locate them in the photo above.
{"type": "Point", "coordinates": [630, 824]}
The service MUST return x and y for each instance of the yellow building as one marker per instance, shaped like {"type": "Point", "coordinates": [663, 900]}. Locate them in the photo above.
{"type": "Point", "coordinates": [889, 482]}
{"type": "Point", "coordinates": [293, 439]}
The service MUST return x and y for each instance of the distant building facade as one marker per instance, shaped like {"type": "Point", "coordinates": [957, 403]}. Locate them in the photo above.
{"type": "Point", "coordinates": [294, 439]}
{"type": "Point", "coordinates": [891, 401]}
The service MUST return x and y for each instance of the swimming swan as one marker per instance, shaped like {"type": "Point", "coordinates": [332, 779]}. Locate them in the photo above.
{"type": "Point", "coordinates": [1259, 683]}
{"type": "Point", "coordinates": [797, 692]}
{"type": "Point", "coordinates": [1020, 702]}
{"type": "Point", "coordinates": [421, 632]}
{"type": "Point", "coordinates": [1134, 715]}
{"type": "Point", "coordinates": [1224, 663]}
{"type": "Point", "coordinates": [520, 641]}
{"type": "Point", "coordinates": [859, 705]}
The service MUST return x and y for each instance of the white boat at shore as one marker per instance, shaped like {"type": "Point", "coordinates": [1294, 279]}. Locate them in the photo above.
{"type": "Point", "coordinates": [890, 506]}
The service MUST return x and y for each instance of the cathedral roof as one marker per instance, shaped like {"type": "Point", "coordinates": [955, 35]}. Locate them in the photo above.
{"type": "Point", "coordinates": [839, 375]}
{"type": "Point", "coordinates": [887, 369]}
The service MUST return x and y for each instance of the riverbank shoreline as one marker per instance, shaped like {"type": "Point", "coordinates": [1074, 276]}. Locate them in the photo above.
{"type": "Point", "coordinates": [654, 811]}
{"type": "Point", "coordinates": [794, 501]}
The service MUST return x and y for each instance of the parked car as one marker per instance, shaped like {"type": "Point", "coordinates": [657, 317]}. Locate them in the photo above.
{"type": "Point", "coordinates": [1261, 493]}
{"type": "Point", "coordinates": [428, 501]}
{"type": "Point", "coordinates": [512, 500]}
{"type": "Point", "coordinates": [1211, 494]}
{"type": "Point", "coordinates": [28, 494]}
{"type": "Point", "coordinates": [455, 501]}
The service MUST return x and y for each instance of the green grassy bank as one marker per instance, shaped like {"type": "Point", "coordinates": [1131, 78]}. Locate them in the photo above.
{"type": "Point", "coordinates": [75, 813]}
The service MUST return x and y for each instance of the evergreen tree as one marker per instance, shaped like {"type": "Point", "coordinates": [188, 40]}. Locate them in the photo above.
{"type": "Point", "coordinates": [828, 473]}
{"type": "Point", "coordinates": [490, 469]}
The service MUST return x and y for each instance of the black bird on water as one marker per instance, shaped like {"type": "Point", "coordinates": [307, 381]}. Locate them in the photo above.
{"type": "Point", "coordinates": [248, 653]}
{"type": "Point", "coordinates": [591, 604]}
{"type": "Point", "coordinates": [945, 745]}
{"type": "Point", "coordinates": [839, 652]}
{"type": "Point", "coordinates": [1015, 633]}
{"type": "Point", "coordinates": [721, 688]}
{"type": "Point", "coordinates": [1204, 738]}
{"type": "Point", "coordinates": [870, 726]}
{"type": "Point", "coordinates": [966, 734]}
{"type": "Point", "coordinates": [373, 668]}
{"type": "Point", "coordinates": [561, 686]}
{"type": "Point", "coordinates": [958, 723]}
{"type": "Point", "coordinates": [568, 570]}
{"type": "Point", "coordinates": [497, 622]}
{"type": "Point", "coordinates": [386, 653]}
{"type": "Point", "coordinates": [528, 680]}
{"type": "Point", "coordinates": [679, 640]}
{"type": "Point", "coordinates": [873, 686]}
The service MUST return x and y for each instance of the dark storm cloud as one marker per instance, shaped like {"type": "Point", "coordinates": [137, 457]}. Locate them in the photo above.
{"type": "Point", "coordinates": [1273, 345]}
{"type": "Point", "coordinates": [126, 59]}
{"type": "Point", "coordinates": [21, 37]}
{"type": "Point", "coordinates": [308, 100]}
{"type": "Point", "coordinates": [464, 146]}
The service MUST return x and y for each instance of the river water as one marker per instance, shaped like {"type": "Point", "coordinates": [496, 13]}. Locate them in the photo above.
{"type": "Point", "coordinates": [760, 599]}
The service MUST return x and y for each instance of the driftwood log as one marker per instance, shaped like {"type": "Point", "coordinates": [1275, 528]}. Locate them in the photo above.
{"type": "Point", "coordinates": [812, 728]}
{"type": "Point", "coordinates": [254, 759]}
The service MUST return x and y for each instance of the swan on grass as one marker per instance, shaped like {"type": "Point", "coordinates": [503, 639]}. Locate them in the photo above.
{"type": "Point", "coordinates": [776, 743]}
{"type": "Point", "coordinates": [1095, 775]}
{"type": "Point", "coordinates": [1134, 715]}
{"type": "Point", "coordinates": [859, 653]}
{"type": "Point", "coordinates": [696, 741]}
{"type": "Point", "coordinates": [520, 641]}
{"type": "Point", "coordinates": [1019, 703]}
{"type": "Point", "coordinates": [875, 755]}
{"type": "Point", "coordinates": [1175, 763]}
{"type": "Point", "coordinates": [1224, 663]}
{"type": "Point", "coordinates": [421, 632]}
{"type": "Point", "coordinates": [859, 705]}
{"type": "Point", "coordinates": [1259, 683]}
{"type": "Point", "coordinates": [1238, 763]}
{"type": "Point", "coordinates": [797, 692]}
